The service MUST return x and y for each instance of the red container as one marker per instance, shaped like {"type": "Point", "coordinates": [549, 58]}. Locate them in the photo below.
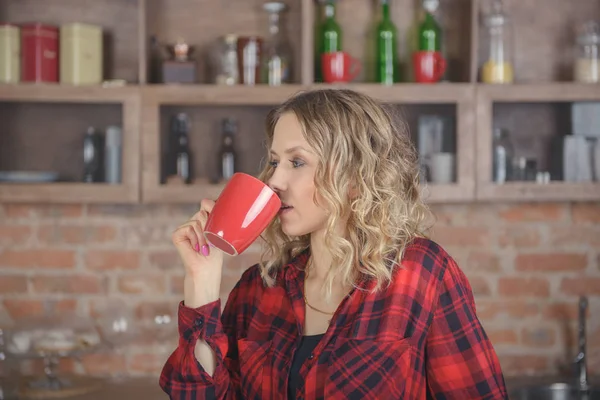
{"type": "Point", "coordinates": [39, 53]}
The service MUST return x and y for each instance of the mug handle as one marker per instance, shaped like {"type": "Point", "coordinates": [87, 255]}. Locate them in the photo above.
{"type": "Point", "coordinates": [355, 68]}
{"type": "Point", "coordinates": [440, 66]}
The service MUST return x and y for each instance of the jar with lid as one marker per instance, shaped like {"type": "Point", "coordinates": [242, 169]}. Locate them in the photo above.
{"type": "Point", "coordinates": [276, 59]}
{"type": "Point", "coordinates": [497, 32]}
{"type": "Point", "coordinates": [225, 60]}
{"type": "Point", "coordinates": [587, 61]}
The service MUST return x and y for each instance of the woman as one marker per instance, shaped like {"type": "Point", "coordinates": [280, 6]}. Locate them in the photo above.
{"type": "Point", "coordinates": [351, 301]}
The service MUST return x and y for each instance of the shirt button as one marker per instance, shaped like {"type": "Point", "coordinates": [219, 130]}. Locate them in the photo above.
{"type": "Point", "coordinates": [198, 322]}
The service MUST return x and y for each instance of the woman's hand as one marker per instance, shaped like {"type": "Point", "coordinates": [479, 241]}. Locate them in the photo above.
{"type": "Point", "coordinates": [203, 263]}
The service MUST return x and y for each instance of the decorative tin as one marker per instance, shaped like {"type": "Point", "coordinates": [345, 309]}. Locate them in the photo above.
{"type": "Point", "coordinates": [39, 53]}
{"type": "Point", "coordinates": [10, 53]}
{"type": "Point", "coordinates": [81, 54]}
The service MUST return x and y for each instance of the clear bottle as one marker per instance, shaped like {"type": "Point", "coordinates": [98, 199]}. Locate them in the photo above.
{"type": "Point", "coordinates": [227, 153]}
{"type": "Point", "coordinates": [503, 154]}
{"type": "Point", "coordinates": [276, 59]}
{"type": "Point", "coordinates": [587, 62]}
{"type": "Point", "coordinates": [498, 33]}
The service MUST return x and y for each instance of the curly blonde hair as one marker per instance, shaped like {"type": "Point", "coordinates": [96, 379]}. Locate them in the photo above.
{"type": "Point", "coordinates": [361, 150]}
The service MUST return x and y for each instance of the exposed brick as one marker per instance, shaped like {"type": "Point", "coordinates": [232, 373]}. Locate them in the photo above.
{"type": "Point", "coordinates": [561, 311]}
{"type": "Point", "coordinates": [61, 210]}
{"type": "Point", "coordinates": [512, 308]}
{"type": "Point", "coordinates": [104, 364]}
{"type": "Point", "coordinates": [148, 310]}
{"type": "Point", "coordinates": [18, 210]}
{"type": "Point", "coordinates": [176, 286]}
{"type": "Point", "coordinates": [517, 286]}
{"type": "Point", "coordinates": [142, 284]}
{"type": "Point", "coordinates": [461, 236]}
{"type": "Point", "coordinates": [584, 285]}
{"type": "Point", "coordinates": [483, 261]}
{"type": "Point", "coordinates": [14, 234]}
{"type": "Point", "coordinates": [518, 237]}
{"type": "Point", "coordinates": [13, 284]}
{"type": "Point", "coordinates": [104, 260]}
{"type": "Point", "coordinates": [147, 363]}
{"type": "Point", "coordinates": [41, 258]}
{"type": "Point", "coordinates": [502, 336]}
{"type": "Point", "coordinates": [551, 262]}
{"type": "Point", "coordinates": [73, 234]}
{"type": "Point", "coordinates": [24, 308]}
{"type": "Point", "coordinates": [534, 212]}
{"type": "Point", "coordinates": [71, 284]}
{"type": "Point", "coordinates": [575, 235]}
{"type": "Point", "coordinates": [479, 285]}
{"type": "Point", "coordinates": [523, 364]}
{"type": "Point", "coordinates": [586, 213]}
{"type": "Point", "coordinates": [165, 260]}
{"type": "Point", "coordinates": [538, 336]}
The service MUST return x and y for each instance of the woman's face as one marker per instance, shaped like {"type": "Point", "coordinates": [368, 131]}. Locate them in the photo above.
{"type": "Point", "coordinates": [294, 164]}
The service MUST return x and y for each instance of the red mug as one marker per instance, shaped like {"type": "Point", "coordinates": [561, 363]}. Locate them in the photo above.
{"type": "Point", "coordinates": [429, 66]}
{"type": "Point", "coordinates": [242, 212]}
{"type": "Point", "coordinates": [339, 66]}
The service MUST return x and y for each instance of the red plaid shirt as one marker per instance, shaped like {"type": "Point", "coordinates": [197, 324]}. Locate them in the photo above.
{"type": "Point", "coordinates": [417, 339]}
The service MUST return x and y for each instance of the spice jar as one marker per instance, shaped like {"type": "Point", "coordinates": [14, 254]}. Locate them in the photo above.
{"type": "Point", "coordinates": [225, 61]}
{"type": "Point", "coordinates": [587, 62]}
{"type": "Point", "coordinates": [497, 32]}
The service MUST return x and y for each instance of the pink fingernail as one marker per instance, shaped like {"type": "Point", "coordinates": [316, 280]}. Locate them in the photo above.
{"type": "Point", "coordinates": [204, 250]}
{"type": "Point", "coordinates": [197, 247]}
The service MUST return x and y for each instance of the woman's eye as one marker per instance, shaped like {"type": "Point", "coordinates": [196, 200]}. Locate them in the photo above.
{"type": "Point", "coordinates": [297, 163]}
{"type": "Point", "coordinates": [273, 164]}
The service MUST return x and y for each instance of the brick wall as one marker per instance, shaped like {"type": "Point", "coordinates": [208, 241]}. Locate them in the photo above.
{"type": "Point", "coordinates": [527, 264]}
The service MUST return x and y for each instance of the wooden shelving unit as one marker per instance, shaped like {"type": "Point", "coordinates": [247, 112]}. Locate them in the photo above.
{"type": "Point", "coordinates": [125, 98]}
{"type": "Point", "coordinates": [487, 97]}
{"type": "Point", "coordinates": [144, 107]}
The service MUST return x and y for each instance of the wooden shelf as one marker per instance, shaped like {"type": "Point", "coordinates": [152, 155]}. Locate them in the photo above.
{"type": "Point", "coordinates": [68, 193]}
{"type": "Point", "coordinates": [410, 93]}
{"type": "Point", "coordinates": [183, 194]}
{"type": "Point", "coordinates": [56, 93]}
{"type": "Point", "coordinates": [540, 92]}
{"type": "Point", "coordinates": [553, 191]}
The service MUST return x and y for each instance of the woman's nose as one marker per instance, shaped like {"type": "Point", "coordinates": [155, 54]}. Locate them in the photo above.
{"type": "Point", "coordinates": [277, 181]}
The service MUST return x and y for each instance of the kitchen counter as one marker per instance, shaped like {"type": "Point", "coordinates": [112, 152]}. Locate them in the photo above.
{"type": "Point", "coordinates": [148, 389]}
{"type": "Point", "coordinates": [129, 389]}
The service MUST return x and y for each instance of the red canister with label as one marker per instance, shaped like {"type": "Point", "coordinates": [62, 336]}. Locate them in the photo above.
{"type": "Point", "coordinates": [39, 53]}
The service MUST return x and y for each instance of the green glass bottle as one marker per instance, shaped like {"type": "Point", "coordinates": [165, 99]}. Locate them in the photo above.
{"type": "Point", "coordinates": [328, 37]}
{"type": "Point", "coordinates": [430, 33]}
{"type": "Point", "coordinates": [387, 68]}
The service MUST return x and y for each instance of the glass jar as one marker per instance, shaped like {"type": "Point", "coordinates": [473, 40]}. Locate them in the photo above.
{"type": "Point", "coordinates": [587, 61]}
{"type": "Point", "coordinates": [276, 59]}
{"type": "Point", "coordinates": [498, 33]}
{"type": "Point", "coordinates": [225, 61]}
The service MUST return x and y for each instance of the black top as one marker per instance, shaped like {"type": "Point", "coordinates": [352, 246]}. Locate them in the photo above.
{"type": "Point", "coordinates": [304, 351]}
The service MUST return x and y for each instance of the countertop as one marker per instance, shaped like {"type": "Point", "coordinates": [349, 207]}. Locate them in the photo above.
{"type": "Point", "coordinates": [148, 389]}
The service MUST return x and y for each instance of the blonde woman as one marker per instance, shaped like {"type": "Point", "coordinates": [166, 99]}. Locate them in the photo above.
{"type": "Point", "coordinates": [352, 301]}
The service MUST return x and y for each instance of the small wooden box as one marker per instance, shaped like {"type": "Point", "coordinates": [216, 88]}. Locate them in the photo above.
{"type": "Point", "coordinates": [10, 54]}
{"type": "Point", "coordinates": [81, 61]}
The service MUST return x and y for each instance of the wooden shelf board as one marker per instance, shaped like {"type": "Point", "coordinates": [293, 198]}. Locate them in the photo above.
{"type": "Point", "coordinates": [218, 94]}
{"type": "Point", "coordinates": [67, 193]}
{"type": "Point", "coordinates": [553, 191]}
{"type": "Point", "coordinates": [182, 194]}
{"type": "Point", "coordinates": [447, 193]}
{"type": "Point", "coordinates": [410, 92]}
{"type": "Point", "coordinates": [196, 192]}
{"type": "Point", "coordinates": [541, 92]}
{"type": "Point", "coordinates": [57, 93]}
